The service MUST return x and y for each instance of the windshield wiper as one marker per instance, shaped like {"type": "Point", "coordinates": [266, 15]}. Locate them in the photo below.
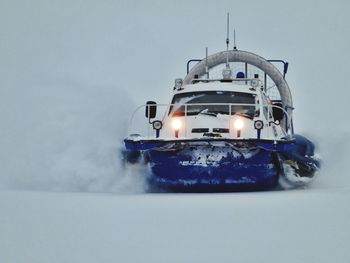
{"type": "Point", "coordinates": [245, 115]}
{"type": "Point", "coordinates": [209, 114]}
{"type": "Point", "coordinates": [206, 112]}
{"type": "Point", "coordinates": [203, 112]}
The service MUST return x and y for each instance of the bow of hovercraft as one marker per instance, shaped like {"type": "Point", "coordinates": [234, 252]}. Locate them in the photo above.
{"type": "Point", "coordinates": [205, 165]}
{"type": "Point", "coordinates": [212, 166]}
{"type": "Point", "coordinates": [226, 133]}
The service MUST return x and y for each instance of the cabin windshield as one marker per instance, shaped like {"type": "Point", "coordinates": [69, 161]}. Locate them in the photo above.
{"type": "Point", "coordinates": [204, 103]}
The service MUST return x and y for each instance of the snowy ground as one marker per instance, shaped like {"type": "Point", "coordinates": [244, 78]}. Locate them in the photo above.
{"type": "Point", "coordinates": [288, 226]}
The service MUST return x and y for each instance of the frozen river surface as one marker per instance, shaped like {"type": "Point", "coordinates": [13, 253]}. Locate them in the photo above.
{"type": "Point", "coordinates": [281, 226]}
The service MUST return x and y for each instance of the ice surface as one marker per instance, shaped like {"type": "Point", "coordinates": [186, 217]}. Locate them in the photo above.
{"type": "Point", "coordinates": [288, 227]}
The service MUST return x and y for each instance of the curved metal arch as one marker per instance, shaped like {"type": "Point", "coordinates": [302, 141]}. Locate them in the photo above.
{"type": "Point", "coordinates": [249, 58]}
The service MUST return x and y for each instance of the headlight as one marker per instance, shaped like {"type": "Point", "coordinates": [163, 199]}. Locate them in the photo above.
{"type": "Point", "coordinates": [254, 83]}
{"type": "Point", "coordinates": [178, 83]}
{"type": "Point", "coordinates": [176, 124]}
{"type": "Point", "coordinates": [258, 125]}
{"type": "Point", "coordinates": [157, 125]}
{"type": "Point", "coordinates": [238, 124]}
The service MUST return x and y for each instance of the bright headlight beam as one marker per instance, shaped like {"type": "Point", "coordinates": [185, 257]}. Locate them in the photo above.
{"type": "Point", "coordinates": [238, 124]}
{"type": "Point", "coordinates": [176, 124]}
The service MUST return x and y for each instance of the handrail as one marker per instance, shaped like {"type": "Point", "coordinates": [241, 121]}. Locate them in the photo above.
{"type": "Point", "coordinates": [289, 117]}
{"type": "Point", "coordinates": [190, 61]}
{"type": "Point", "coordinates": [226, 80]}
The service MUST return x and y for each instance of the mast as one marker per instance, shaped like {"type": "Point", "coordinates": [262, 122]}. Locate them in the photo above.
{"type": "Point", "coordinates": [206, 62]}
{"type": "Point", "coordinates": [227, 39]}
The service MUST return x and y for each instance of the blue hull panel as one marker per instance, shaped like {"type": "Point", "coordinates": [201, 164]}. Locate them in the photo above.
{"type": "Point", "coordinates": [208, 168]}
{"type": "Point", "coordinates": [211, 165]}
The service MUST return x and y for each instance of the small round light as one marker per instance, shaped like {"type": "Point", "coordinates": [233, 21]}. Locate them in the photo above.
{"type": "Point", "coordinates": [178, 83]}
{"type": "Point", "coordinates": [254, 83]}
{"type": "Point", "coordinates": [176, 124]}
{"type": "Point", "coordinates": [258, 125]}
{"type": "Point", "coordinates": [238, 124]}
{"type": "Point", "coordinates": [157, 125]}
{"type": "Point", "coordinates": [227, 73]}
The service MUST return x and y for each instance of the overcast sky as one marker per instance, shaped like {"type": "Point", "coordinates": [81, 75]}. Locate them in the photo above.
{"type": "Point", "coordinates": [142, 46]}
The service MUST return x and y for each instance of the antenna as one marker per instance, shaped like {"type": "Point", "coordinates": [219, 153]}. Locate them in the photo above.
{"type": "Point", "coordinates": [227, 38]}
{"type": "Point", "coordinates": [228, 30]}
{"type": "Point", "coordinates": [227, 72]}
{"type": "Point", "coordinates": [206, 62]}
{"type": "Point", "coordinates": [234, 40]}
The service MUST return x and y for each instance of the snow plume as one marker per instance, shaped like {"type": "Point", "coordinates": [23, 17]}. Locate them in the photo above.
{"type": "Point", "coordinates": [65, 138]}
{"type": "Point", "coordinates": [335, 152]}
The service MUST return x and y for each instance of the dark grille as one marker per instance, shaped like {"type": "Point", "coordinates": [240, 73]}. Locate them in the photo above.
{"type": "Point", "coordinates": [200, 130]}
{"type": "Point", "coordinates": [221, 130]}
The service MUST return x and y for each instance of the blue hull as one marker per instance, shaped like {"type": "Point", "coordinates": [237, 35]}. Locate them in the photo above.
{"type": "Point", "coordinates": [207, 168]}
{"type": "Point", "coordinates": [220, 165]}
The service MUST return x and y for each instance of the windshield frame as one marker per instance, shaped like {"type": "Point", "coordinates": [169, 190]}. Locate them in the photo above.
{"type": "Point", "coordinates": [216, 100]}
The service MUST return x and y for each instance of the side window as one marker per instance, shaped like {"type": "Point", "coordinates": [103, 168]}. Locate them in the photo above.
{"type": "Point", "coordinates": [257, 107]}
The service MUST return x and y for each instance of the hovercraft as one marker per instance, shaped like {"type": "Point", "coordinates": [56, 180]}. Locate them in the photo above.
{"type": "Point", "coordinates": [228, 127]}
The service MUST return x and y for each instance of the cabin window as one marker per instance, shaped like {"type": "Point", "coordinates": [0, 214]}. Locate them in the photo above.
{"type": "Point", "coordinates": [213, 103]}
